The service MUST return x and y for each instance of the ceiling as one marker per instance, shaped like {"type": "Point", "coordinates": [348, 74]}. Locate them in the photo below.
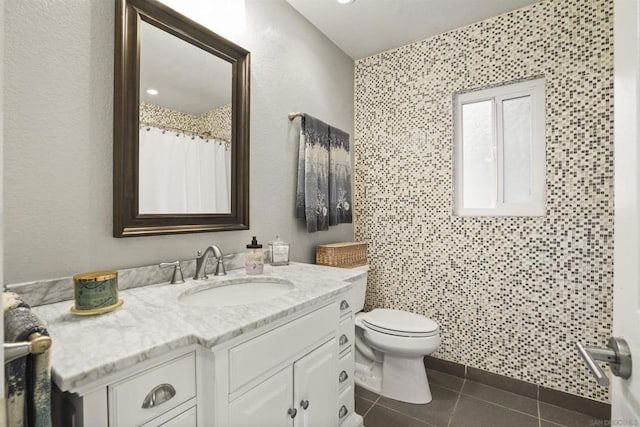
{"type": "Point", "coordinates": [366, 27]}
{"type": "Point", "coordinates": [187, 78]}
{"type": "Point", "coordinates": [182, 73]}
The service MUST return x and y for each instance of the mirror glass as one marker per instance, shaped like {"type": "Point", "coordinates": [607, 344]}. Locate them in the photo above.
{"type": "Point", "coordinates": [185, 127]}
{"type": "Point", "coordinates": [181, 125]}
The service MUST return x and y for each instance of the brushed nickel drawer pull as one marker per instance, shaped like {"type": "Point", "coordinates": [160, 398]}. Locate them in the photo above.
{"type": "Point", "coordinates": [343, 412]}
{"type": "Point", "coordinates": [159, 395]}
{"type": "Point", "coordinates": [344, 305]}
{"type": "Point", "coordinates": [343, 376]}
{"type": "Point", "coordinates": [343, 339]}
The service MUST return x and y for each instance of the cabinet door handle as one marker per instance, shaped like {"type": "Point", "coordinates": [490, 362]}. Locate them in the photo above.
{"type": "Point", "coordinates": [304, 404]}
{"type": "Point", "coordinates": [343, 411]}
{"type": "Point", "coordinates": [159, 395]}
{"type": "Point", "coordinates": [343, 376]}
{"type": "Point", "coordinates": [292, 412]}
{"type": "Point", "coordinates": [344, 305]}
{"type": "Point", "coordinates": [343, 339]}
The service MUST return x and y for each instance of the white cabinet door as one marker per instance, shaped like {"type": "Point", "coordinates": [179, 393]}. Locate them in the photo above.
{"type": "Point", "coordinates": [316, 387]}
{"type": "Point", "coordinates": [266, 405]}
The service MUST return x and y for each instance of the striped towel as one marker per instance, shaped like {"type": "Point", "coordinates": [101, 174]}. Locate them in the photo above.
{"type": "Point", "coordinates": [28, 378]}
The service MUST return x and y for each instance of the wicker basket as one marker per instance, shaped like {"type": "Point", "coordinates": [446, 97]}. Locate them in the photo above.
{"type": "Point", "coordinates": [345, 255]}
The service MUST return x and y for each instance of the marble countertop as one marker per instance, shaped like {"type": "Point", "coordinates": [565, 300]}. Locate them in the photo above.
{"type": "Point", "coordinates": [153, 322]}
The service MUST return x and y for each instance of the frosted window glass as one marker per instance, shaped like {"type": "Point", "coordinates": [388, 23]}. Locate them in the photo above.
{"type": "Point", "coordinates": [517, 132]}
{"type": "Point", "coordinates": [479, 181]}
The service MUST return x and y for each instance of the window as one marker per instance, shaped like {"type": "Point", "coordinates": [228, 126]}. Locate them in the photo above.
{"type": "Point", "coordinates": [499, 151]}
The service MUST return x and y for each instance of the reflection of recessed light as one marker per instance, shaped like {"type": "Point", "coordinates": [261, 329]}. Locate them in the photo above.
{"type": "Point", "coordinates": [345, 1]}
{"type": "Point", "coordinates": [152, 91]}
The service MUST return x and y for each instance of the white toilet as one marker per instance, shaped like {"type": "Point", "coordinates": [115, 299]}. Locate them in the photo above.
{"type": "Point", "coordinates": [390, 348]}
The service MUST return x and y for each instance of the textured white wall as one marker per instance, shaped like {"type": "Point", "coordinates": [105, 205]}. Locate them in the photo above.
{"type": "Point", "coordinates": [58, 136]}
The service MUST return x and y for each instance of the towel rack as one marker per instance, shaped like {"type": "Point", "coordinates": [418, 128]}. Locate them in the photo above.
{"type": "Point", "coordinates": [36, 344]}
{"type": "Point", "coordinates": [294, 115]}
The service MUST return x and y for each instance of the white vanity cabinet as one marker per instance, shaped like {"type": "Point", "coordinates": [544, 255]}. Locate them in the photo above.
{"type": "Point", "coordinates": [156, 396]}
{"type": "Point", "coordinates": [296, 371]}
{"type": "Point", "coordinates": [346, 366]}
{"type": "Point", "coordinates": [301, 395]}
{"type": "Point", "coordinates": [162, 391]}
{"type": "Point", "coordinates": [299, 374]}
{"type": "Point", "coordinates": [283, 377]}
{"type": "Point", "coordinates": [159, 392]}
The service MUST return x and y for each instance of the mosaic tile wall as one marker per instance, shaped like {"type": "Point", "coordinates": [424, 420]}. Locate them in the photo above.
{"type": "Point", "coordinates": [511, 295]}
{"type": "Point", "coordinates": [215, 123]}
{"type": "Point", "coordinates": [155, 115]}
{"type": "Point", "coordinates": [218, 122]}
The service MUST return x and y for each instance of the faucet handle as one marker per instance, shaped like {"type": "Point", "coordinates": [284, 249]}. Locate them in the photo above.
{"type": "Point", "coordinates": [176, 277]}
{"type": "Point", "coordinates": [220, 269]}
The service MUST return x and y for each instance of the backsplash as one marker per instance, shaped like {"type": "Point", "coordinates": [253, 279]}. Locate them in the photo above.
{"type": "Point", "coordinates": [49, 291]}
{"type": "Point", "coordinates": [511, 294]}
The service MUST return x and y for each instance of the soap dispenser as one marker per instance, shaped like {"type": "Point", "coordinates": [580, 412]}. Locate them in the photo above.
{"type": "Point", "coordinates": [254, 257]}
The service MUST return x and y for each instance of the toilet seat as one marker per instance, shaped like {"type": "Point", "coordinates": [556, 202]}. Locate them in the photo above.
{"type": "Point", "coordinates": [399, 323]}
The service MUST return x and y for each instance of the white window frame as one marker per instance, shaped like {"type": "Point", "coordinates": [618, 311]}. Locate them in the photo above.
{"type": "Point", "coordinates": [536, 90]}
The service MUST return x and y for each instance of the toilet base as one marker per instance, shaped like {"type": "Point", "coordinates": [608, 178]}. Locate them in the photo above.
{"type": "Point", "coordinates": [403, 379]}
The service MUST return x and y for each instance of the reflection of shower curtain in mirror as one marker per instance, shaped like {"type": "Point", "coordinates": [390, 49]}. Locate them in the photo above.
{"type": "Point", "coordinates": [180, 173]}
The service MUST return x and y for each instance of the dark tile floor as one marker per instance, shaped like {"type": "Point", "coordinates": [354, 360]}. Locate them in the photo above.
{"type": "Point", "coordinates": [464, 403]}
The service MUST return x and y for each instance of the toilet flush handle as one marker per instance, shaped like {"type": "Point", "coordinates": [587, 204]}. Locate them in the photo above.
{"type": "Point", "coordinates": [617, 354]}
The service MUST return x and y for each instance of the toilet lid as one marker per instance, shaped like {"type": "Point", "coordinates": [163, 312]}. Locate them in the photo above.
{"type": "Point", "coordinates": [398, 322]}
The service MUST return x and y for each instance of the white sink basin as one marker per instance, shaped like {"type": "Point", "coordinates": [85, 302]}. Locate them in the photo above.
{"type": "Point", "coordinates": [237, 292]}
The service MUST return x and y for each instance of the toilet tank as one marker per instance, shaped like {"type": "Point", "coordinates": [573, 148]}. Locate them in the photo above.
{"type": "Point", "coordinates": [359, 291]}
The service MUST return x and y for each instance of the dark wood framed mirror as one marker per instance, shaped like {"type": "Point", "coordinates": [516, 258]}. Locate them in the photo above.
{"type": "Point", "coordinates": [202, 108]}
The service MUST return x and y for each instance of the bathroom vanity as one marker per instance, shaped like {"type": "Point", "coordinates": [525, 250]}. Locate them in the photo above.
{"type": "Point", "coordinates": [163, 360]}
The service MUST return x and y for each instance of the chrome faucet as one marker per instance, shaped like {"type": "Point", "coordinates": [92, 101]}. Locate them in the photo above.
{"type": "Point", "coordinates": [201, 263]}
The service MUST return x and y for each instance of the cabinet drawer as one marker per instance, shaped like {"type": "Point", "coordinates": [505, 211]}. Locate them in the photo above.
{"type": "Point", "coordinates": [346, 333]}
{"type": "Point", "coordinates": [345, 404]}
{"type": "Point", "coordinates": [174, 383]}
{"type": "Point", "coordinates": [186, 419]}
{"type": "Point", "coordinates": [345, 370]}
{"type": "Point", "coordinates": [249, 360]}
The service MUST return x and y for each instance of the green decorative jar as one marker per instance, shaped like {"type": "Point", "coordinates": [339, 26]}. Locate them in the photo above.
{"type": "Point", "coordinates": [96, 292]}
